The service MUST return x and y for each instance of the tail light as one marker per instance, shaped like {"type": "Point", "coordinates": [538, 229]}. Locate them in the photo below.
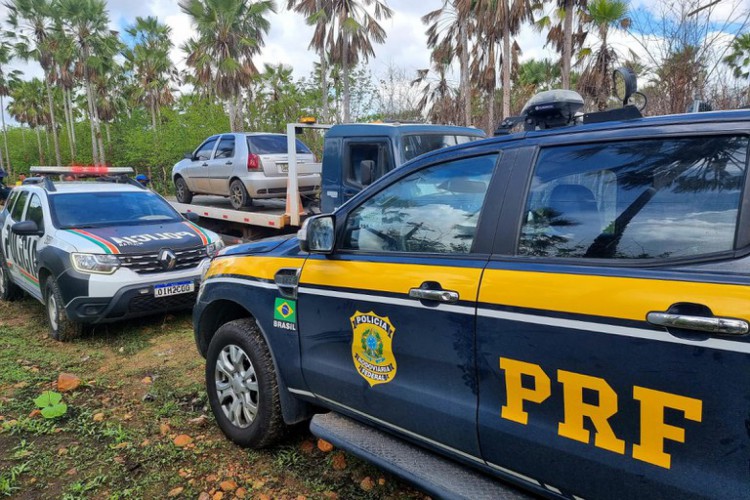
{"type": "Point", "coordinates": [253, 162]}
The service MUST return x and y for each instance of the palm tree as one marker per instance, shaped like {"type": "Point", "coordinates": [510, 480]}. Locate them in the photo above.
{"type": "Point", "coordinates": [149, 60]}
{"type": "Point", "coordinates": [6, 81]}
{"type": "Point", "coordinates": [318, 14]}
{"type": "Point", "coordinates": [351, 31]}
{"type": "Point", "coordinates": [561, 35]}
{"type": "Point", "coordinates": [86, 22]}
{"type": "Point", "coordinates": [739, 59]}
{"type": "Point", "coordinates": [230, 33]}
{"type": "Point", "coordinates": [500, 20]}
{"type": "Point", "coordinates": [28, 107]}
{"type": "Point", "coordinates": [64, 55]}
{"type": "Point", "coordinates": [596, 79]}
{"type": "Point", "coordinates": [450, 29]}
{"type": "Point", "coordinates": [32, 21]}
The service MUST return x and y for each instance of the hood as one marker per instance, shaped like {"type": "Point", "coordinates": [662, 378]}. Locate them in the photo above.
{"type": "Point", "coordinates": [261, 246]}
{"type": "Point", "coordinates": [142, 238]}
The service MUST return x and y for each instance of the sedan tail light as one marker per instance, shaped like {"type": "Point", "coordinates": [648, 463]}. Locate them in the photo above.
{"type": "Point", "coordinates": [253, 162]}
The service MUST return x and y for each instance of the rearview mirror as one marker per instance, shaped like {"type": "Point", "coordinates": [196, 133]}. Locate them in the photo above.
{"type": "Point", "coordinates": [188, 156]}
{"type": "Point", "coordinates": [26, 228]}
{"type": "Point", "coordinates": [366, 171]}
{"type": "Point", "coordinates": [317, 235]}
{"type": "Point", "coordinates": [192, 216]}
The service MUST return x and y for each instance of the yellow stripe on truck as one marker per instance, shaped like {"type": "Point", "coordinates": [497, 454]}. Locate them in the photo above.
{"type": "Point", "coordinates": [388, 277]}
{"type": "Point", "coordinates": [252, 266]}
{"type": "Point", "coordinates": [606, 296]}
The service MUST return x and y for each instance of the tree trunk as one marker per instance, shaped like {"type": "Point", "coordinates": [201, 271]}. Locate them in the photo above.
{"type": "Point", "coordinates": [95, 159]}
{"type": "Point", "coordinates": [240, 115]}
{"type": "Point", "coordinates": [232, 111]}
{"type": "Point", "coordinates": [53, 122]}
{"type": "Point", "coordinates": [69, 126]}
{"type": "Point", "coordinates": [5, 136]}
{"type": "Point", "coordinates": [72, 123]}
{"type": "Point", "coordinates": [567, 54]}
{"type": "Point", "coordinates": [345, 75]}
{"type": "Point", "coordinates": [507, 62]}
{"type": "Point", "coordinates": [153, 114]}
{"type": "Point", "coordinates": [39, 145]}
{"type": "Point", "coordinates": [464, 69]}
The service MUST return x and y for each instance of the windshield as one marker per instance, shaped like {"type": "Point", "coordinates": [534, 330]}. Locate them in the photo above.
{"type": "Point", "coordinates": [419, 144]}
{"type": "Point", "coordinates": [273, 145]}
{"type": "Point", "coordinates": [80, 210]}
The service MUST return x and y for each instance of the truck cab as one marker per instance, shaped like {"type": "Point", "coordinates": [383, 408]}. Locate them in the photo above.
{"type": "Point", "coordinates": [355, 155]}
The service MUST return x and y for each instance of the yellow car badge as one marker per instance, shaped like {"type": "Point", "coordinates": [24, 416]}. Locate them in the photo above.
{"type": "Point", "coordinates": [372, 347]}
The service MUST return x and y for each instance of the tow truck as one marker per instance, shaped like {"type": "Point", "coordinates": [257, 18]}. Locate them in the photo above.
{"type": "Point", "coordinates": [355, 155]}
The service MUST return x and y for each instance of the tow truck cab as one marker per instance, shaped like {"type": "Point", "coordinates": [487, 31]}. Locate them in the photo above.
{"type": "Point", "coordinates": [355, 155]}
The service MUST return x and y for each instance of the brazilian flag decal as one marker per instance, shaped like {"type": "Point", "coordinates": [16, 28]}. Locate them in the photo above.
{"type": "Point", "coordinates": [285, 310]}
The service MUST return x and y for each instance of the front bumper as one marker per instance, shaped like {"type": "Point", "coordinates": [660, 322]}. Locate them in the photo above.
{"type": "Point", "coordinates": [129, 302]}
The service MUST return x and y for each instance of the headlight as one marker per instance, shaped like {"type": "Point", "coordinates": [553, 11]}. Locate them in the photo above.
{"type": "Point", "coordinates": [213, 248]}
{"type": "Point", "coordinates": [95, 263]}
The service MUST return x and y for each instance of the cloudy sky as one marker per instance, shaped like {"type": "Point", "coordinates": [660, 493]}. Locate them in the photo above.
{"type": "Point", "coordinates": [289, 36]}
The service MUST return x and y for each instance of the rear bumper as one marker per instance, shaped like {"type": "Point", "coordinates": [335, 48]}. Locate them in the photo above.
{"type": "Point", "coordinates": [275, 187]}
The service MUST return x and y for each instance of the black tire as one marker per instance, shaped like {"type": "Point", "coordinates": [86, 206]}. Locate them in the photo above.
{"type": "Point", "coordinates": [181, 191]}
{"type": "Point", "coordinates": [267, 425]}
{"type": "Point", "coordinates": [238, 196]}
{"type": "Point", "coordinates": [9, 291]}
{"type": "Point", "coordinates": [61, 327]}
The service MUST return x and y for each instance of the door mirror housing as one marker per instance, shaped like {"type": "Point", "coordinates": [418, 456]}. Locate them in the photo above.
{"type": "Point", "coordinates": [26, 228]}
{"type": "Point", "coordinates": [188, 156]}
{"type": "Point", "coordinates": [192, 216]}
{"type": "Point", "coordinates": [317, 234]}
{"type": "Point", "coordinates": [366, 171]}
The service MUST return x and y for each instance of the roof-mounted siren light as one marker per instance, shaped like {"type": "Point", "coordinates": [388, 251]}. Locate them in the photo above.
{"type": "Point", "coordinates": [548, 109]}
{"type": "Point", "coordinates": [625, 84]}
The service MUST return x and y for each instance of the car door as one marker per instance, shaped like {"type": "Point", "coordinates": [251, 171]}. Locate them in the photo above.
{"type": "Point", "coordinates": [221, 166]}
{"type": "Point", "coordinates": [197, 174]}
{"type": "Point", "coordinates": [387, 321]}
{"type": "Point", "coordinates": [20, 250]}
{"type": "Point", "coordinates": [611, 354]}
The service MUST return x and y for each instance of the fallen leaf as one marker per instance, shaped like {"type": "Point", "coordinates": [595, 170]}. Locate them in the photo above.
{"type": "Point", "coordinates": [98, 417]}
{"type": "Point", "coordinates": [263, 496]}
{"type": "Point", "coordinates": [72, 472]}
{"type": "Point", "coordinates": [145, 442]}
{"type": "Point", "coordinates": [147, 380]}
{"type": "Point", "coordinates": [381, 481]}
{"type": "Point", "coordinates": [200, 421]}
{"type": "Point", "coordinates": [307, 446]}
{"type": "Point", "coordinates": [67, 382]}
{"type": "Point", "coordinates": [258, 484]}
{"type": "Point", "coordinates": [122, 445]}
{"type": "Point", "coordinates": [228, 486]}
{"type": "Point", "coordinates": [127, 417]}
{"type": "Point", "coordinates": [330, 495]}
{"type": "Point", "coordinates": [175, 492]}
{"type": "Point", "coordinates": [182, 440]}
{"type": "Point", "coordinates": [367, 484]}
{"type": "Point", "coordinates": [62, 451]}
{"type": "Point", "coordinates": [324, 446]}
{"type": "Point", "coordinates": [339, 461]}
{"type": "Point", "coordinates": [240, 493]}
{"type": "Point", "coordinates": [164, 429]}
{"type": "Point", "coordinates": [35, 413]}
{"type": "Point", "coordinates": [204, 496]}
{"type": "Point", "coordinates": [218, 495]}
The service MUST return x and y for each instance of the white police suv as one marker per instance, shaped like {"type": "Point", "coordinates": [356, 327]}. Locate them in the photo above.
{"type": "Point", "coordinates": [96, 252]}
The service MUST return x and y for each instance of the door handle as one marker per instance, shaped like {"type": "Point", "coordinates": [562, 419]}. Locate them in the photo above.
{"type": "Point", "coordinates": [228, 162]}
{"type": "Point", "coordinates": [716, 325]}
{"type": "Point", "coordinates": [204, 164]}
{"type": "Point", "coordinates": [443, 296]}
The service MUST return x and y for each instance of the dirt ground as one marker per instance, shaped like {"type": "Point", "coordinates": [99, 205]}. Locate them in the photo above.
{"type": "Point", "coordinates": [138, 425]}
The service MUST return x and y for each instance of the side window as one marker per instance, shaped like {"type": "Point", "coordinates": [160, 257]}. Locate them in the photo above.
{"type": "Point", "coordinates": [434, 210]}
{"type": "Point", "coordinates": [18, 207]}
{"type": "Point", "coordinates": [11, 200]}
{"type": "Point", "coordinates": [204, 151]}
{"type": "Point", "coordinates": [226, 148]}
{"type": "Point", "coordinates": [35, 212]}
{"type": "Point", "coordinates": [636, 200]}
{"type": "Point", "coordinates": [375, 152]}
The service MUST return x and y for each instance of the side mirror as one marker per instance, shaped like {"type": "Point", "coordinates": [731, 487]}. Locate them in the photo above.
{"type": "Point", "coordinates": [366, 171]}
{"type": "Point", "coordinates": [192, 216]}
{"type": "Point", "coordinates": [317, 235]}
{"type": "Point", "coordinates": [188, 156]}
{"type": "Point", "coordinates": [26, 228]}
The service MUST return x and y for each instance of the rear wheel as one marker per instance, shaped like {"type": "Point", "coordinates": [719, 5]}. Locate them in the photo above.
{"type": "Point", "coordinates": [61, 327]}
{"type": "Point", "coordinates": [181, 191]}
{"type": "Point", "coordinates": [238, 195]}
{"type": "Point", "coordinates": [8, 290]}
{"type": "Point", "coordinates": [241, 385]}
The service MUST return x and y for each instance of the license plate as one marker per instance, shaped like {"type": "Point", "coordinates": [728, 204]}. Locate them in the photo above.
{"type": "Point", "coordinates": [283, 168]}
{"type": "Point", "coordinates": [168, 289]}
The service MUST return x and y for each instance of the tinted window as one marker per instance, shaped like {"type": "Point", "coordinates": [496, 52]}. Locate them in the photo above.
{"type": "Point", "coordinates": [204, 152]}
{"type": "Point", "coordinates": [273, 144]}
{"type": "Point", "coordinates": [11, 200]}
{"type": "Point", "coordinates": [636, 199]}
{"type": "Point", "coordinates": [35, 212]}
{"type": "Point", "coordinates": [419, 144]}
{"type": "Point", "coordinates": [376, 152]}
{"type": "Point", "coordinates": [19, 205]}
{"type": "Point", "coordinates": [73, 210]}
{"type": "Point", "coordinates": [433, 210]}
{"type": "Point", "coordinates": [226, 148]}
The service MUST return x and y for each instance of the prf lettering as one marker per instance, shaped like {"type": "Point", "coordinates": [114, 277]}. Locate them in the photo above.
{"type": "Point", "coordinates": [654, 430]}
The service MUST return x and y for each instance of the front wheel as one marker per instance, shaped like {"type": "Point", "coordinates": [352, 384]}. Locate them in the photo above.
{"type": "Point", "coordinates": [181, 191]}
{"type": "Point", "coordinates": [61, 327]}
{"type": "Point", "coordinates": [238, 195]}
{"type": "Point", "coordinates": [242, 387]}
{"type": "Point", "coordinates": [9, 291]}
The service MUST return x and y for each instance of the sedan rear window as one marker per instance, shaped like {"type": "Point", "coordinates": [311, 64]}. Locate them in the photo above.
{"type": "Point", "coordinates": [74, 210]}
{"type": "Point", "coordinates": [273, 145]}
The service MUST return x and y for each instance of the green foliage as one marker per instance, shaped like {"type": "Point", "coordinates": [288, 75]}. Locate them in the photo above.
{"type": "Point", "coordinates": [9, 479]}
{"type": "Point", "coordinates": [51, 404]}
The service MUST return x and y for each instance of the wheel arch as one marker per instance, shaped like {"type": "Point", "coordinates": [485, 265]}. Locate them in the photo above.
{"type": "Point", "coordinates": [222, 311]}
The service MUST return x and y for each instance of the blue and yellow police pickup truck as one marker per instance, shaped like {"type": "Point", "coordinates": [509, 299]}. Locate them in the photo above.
{"type": "Point", "coordinates": [562, 310]}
